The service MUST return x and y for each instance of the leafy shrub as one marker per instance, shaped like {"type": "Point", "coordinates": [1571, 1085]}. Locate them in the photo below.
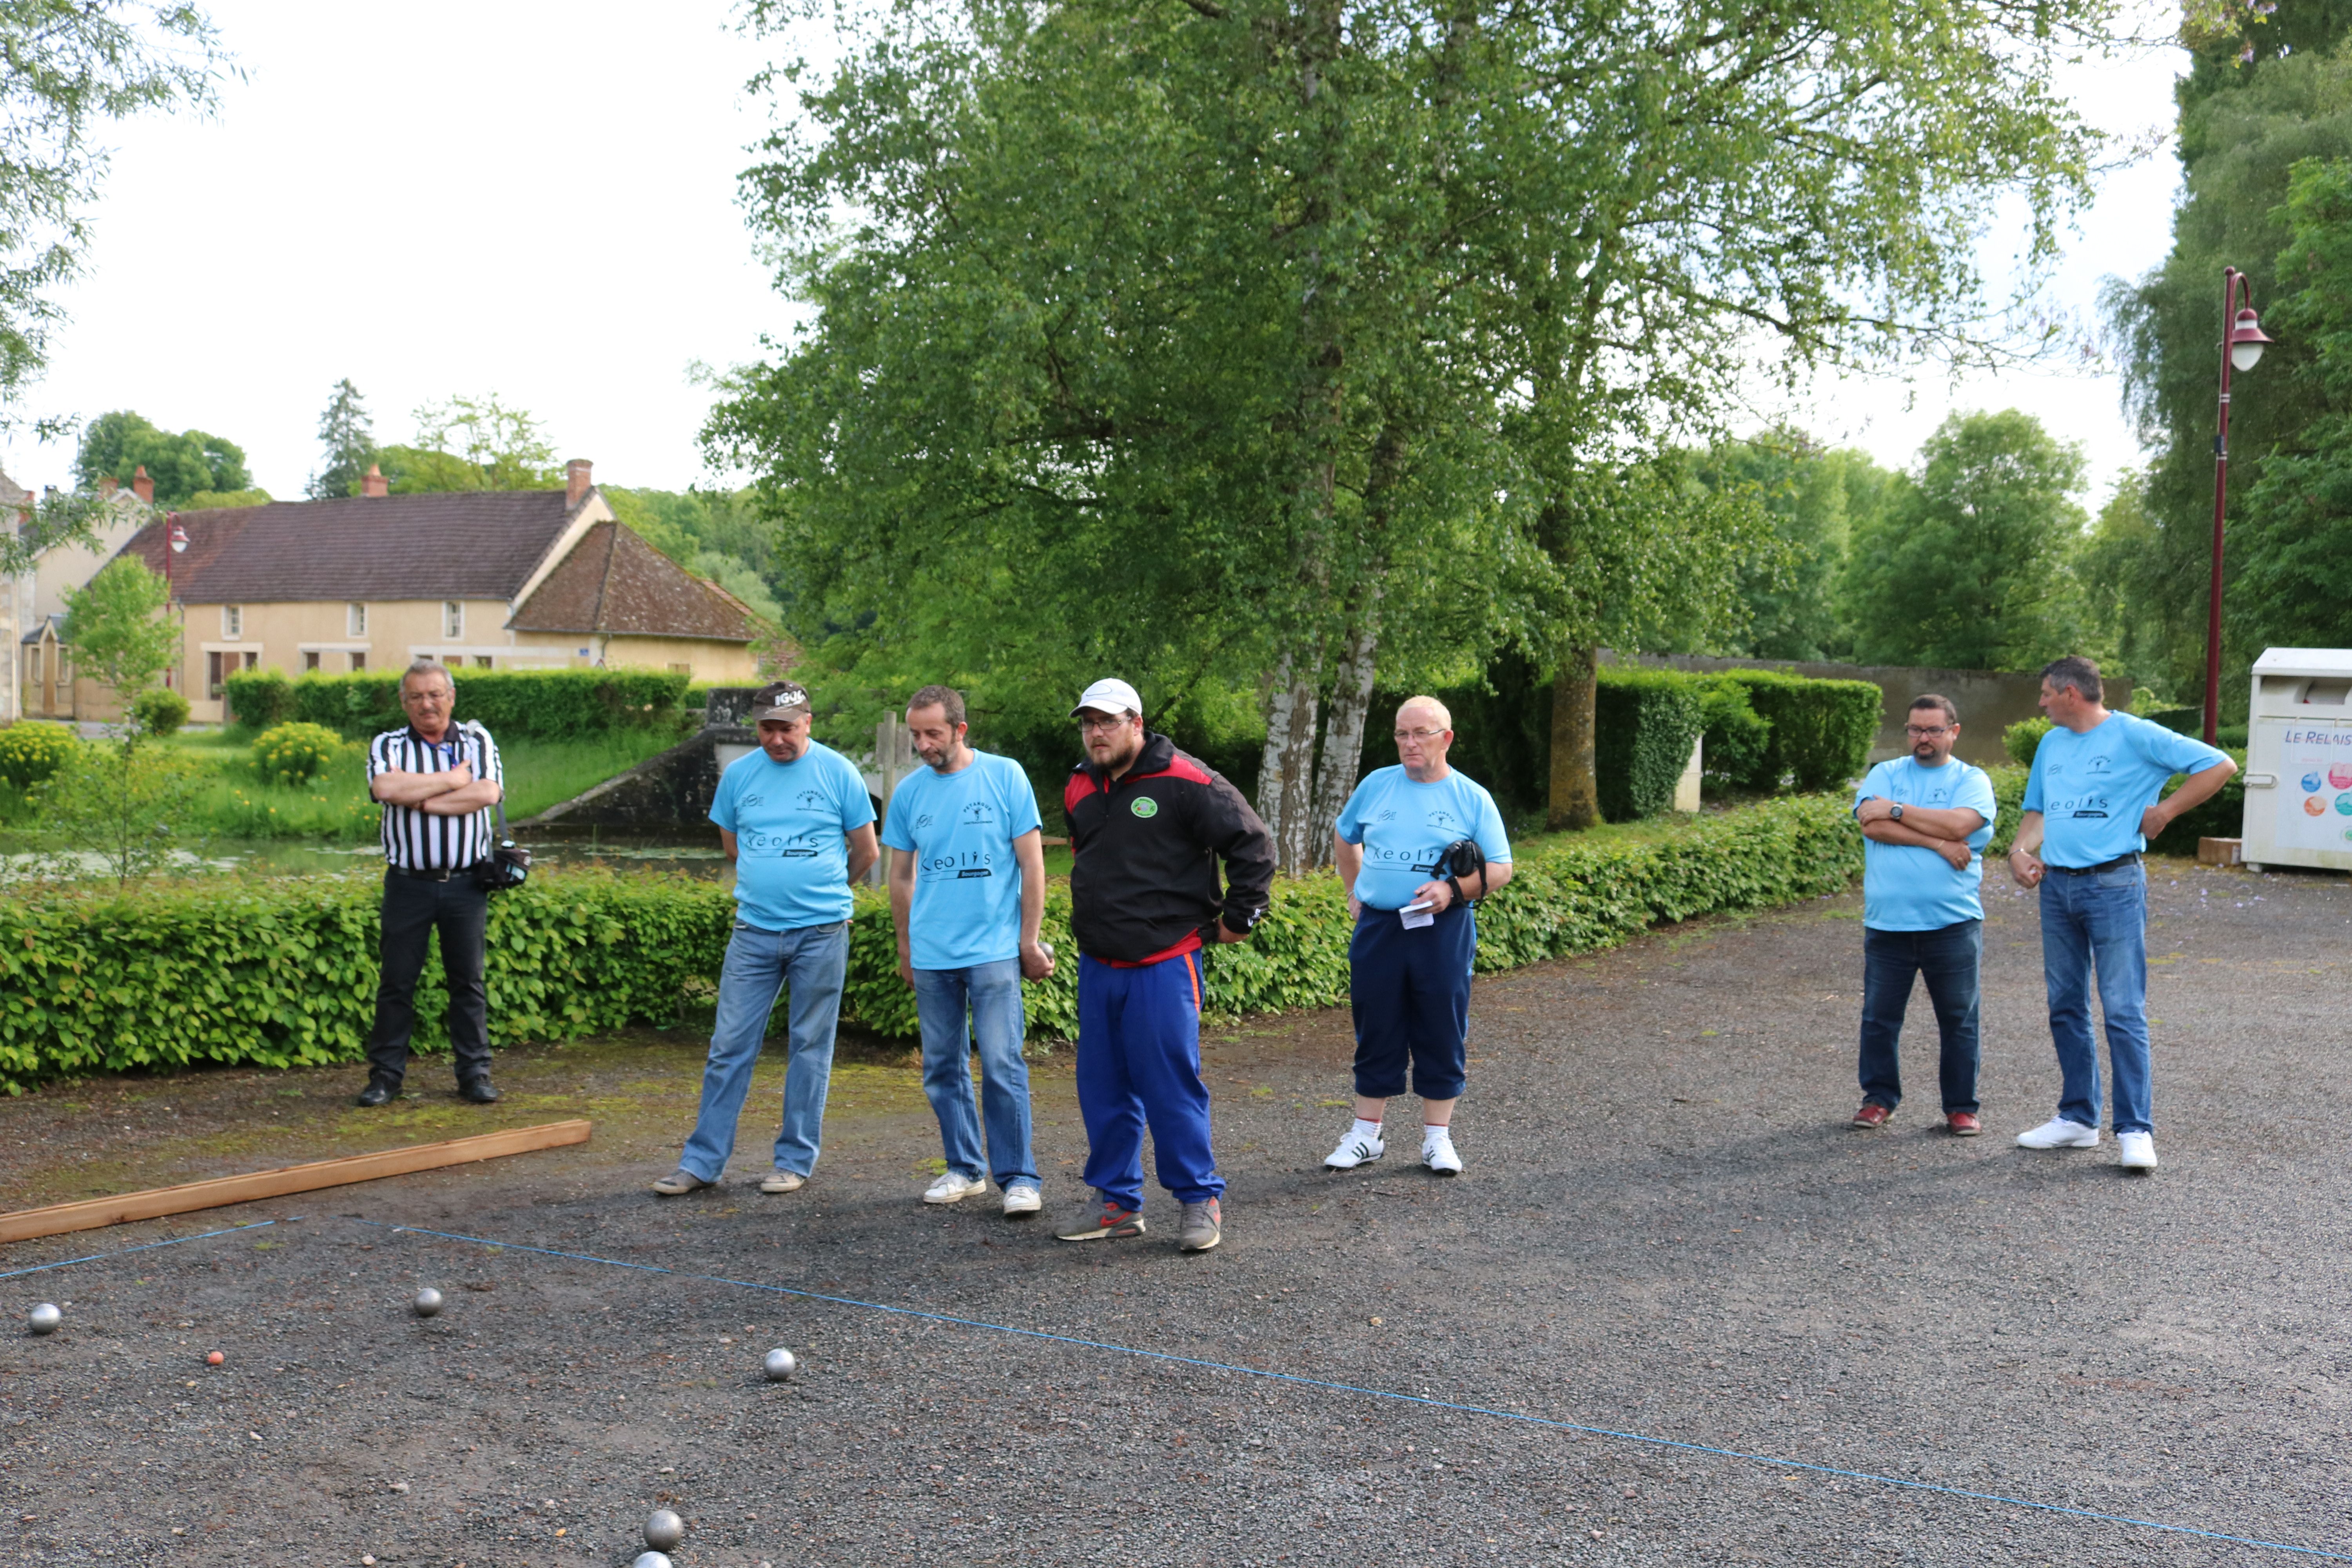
{"type": "Point", "coordinates": [2183, 720]}
{"type": "Point", "coordinates": [545, 704]}
{"type": "Point", "coordinates": [1739, 739]}
{"type": "Point", "coordinates": [258, 699]}
{"type": "Point", "coordinates": [283, 973]}
{"type": "Point", "coordinates": [160, 710]}
{"type": "Point", "coordinates": [31, 751]}
{"type": "Point", "coordinates": [1822, 730]}
{"type": "Point", "coordinates": [295, 752]}
{"type": "Point", "coordinates": [2021, 739]}
{"type": "Point", "coordinates": [1644, 724]}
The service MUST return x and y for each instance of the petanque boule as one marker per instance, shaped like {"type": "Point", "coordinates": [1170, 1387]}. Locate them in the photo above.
{"type": "Point", "coordinates": [428, 1302]}
{"type": "Point", "coordinates": [44, 1318]}
{"type": "Point", "coordinates": [652, 1559]}
{"type": "Point", "coordinates": [780, 1364]}
{"type": "Point", "coordinates": [664, 1530]}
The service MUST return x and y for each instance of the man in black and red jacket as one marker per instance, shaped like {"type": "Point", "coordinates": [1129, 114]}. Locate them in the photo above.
{"type": "Point", "coordinates": [1148, 826]}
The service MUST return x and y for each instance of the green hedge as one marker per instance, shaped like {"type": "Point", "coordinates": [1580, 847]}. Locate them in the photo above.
{"type": "Point", "coordinates": [1822, 730]}
{"type": "Point", "coordinates": [546, 704]}
{"type": "Point", "coordinates": [283, 973]}
{"type": "Point", "coordinates": [1643, 724]}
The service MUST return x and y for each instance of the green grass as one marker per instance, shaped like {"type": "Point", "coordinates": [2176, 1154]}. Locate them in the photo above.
{"type": "Point", "coordinates": [235, 801]}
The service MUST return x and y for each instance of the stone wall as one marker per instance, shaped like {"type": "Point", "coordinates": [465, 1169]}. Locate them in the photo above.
{"type": "Point", "coordinates": [1990, 700]}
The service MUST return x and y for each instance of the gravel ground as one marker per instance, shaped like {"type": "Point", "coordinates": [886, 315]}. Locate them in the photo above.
{"type": "Point", "coordinates": [1666, 1230]}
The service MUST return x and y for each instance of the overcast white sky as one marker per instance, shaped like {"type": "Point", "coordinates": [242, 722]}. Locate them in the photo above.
{"type": "Point", "coordinates": [539, 200]}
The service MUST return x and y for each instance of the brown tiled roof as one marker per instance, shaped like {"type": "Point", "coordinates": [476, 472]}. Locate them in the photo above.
{"type": "Point", "coordinates": [471, 544]}
{"type": "Point", "coordinates": [614, 584]}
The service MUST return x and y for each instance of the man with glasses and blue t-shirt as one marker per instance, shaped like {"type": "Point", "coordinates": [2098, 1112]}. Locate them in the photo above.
{"type": "Point", "coordinates": [966, 892]}
{"type": "Point", "coordinates": [2091, 806]}
{"type": "Point", "coordinates": [1926, 818]}
{"type": "Point", "coordinates": [1416, 935]}
{"type": "Point", "coordinates": [795, 819]}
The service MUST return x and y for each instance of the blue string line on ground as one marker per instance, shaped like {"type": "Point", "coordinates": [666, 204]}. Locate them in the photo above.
{"type": "Point", "coordinates": [1328, 1386]}
{"type": "Point", "coordinates": [147, 1246]}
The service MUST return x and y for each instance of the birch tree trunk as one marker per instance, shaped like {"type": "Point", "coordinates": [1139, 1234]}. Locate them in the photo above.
{"type": "Point", "coordinates": [1343, 738]}
{"type": "Point", "coordinates": [1575, 789]}
{"type": "Point", "coordinates": [1286, 780]}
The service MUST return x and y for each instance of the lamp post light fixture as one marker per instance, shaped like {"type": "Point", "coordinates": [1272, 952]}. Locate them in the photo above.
{"type": "Point", "coordinates": [177, 537]}
{"type": "Point", "coordinates": [2242, 344]}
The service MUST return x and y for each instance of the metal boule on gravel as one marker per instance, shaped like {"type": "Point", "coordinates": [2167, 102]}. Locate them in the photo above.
{"type": "Point", "coordinates": [780, 1364]}
{"type": "Point", "coordinates": [664, 1530]}
{"type": "Point", "coordinates": [44, 1318]}
{"type": "Point", "coordinates": [652, 1559]}
{"type": "Point", "coordinates": [428, 1302]}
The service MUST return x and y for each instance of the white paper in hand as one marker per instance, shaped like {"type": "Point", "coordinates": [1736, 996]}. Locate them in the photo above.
{"type": "Point", "coordinates": [1416, 914]}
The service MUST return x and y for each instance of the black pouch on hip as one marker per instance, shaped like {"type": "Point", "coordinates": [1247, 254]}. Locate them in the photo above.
{"type": "Point", "coordinates": [509, 863]}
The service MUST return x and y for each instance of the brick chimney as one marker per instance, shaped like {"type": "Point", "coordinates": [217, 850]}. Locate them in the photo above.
{"type": "Point", "coordinates": [576, 481]}
{"type": "Point", "coordinates": [106, 487]}
{"type": "Point", "coordinates": [143, 487]}
{"type": "Point", "coordinates": [375, 484]}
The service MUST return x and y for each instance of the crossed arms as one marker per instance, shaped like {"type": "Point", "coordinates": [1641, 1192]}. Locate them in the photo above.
{"type": "Point", "coordinates": [453, 792]}
{"type": "Point", "coordinates": [1943, 829]}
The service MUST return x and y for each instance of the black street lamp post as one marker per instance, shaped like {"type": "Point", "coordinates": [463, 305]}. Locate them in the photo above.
{"type": "Point", "coordinates": [2242, 341]}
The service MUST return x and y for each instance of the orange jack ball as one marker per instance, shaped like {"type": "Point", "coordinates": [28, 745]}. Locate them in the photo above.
{"type": "Point", "coordinates": [214, 1359]}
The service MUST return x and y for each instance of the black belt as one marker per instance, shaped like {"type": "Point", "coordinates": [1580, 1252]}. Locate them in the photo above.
{"type": "Point", "coordinates": [2102, 865]}
{"type": "Point", "coordinates": [442, 875]}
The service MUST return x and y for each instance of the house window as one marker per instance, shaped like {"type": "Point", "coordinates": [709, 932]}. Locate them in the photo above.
{"type": "Point", "coordinates": [453, 619]}
{"type": "Point", "coordinates": [233, 622]}
{"type": "Point", "coordinates": [212, 673]}
{"type": "Point", "coordinates": [359, 661]}
{"type": "Point", "coordinates": [309, 661]}
{"type": "Point", "coordinates": [355, 620]}
{"type": "Point", "coordinates": [252, 661]}
{"type": "Point", "coordinates": [481, 661]}
{"type": "Point", "coordinates": [685, 669]}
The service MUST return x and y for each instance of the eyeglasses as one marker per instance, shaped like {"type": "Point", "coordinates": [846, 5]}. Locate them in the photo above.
{"type": "Point", "coordinates": [1404, 735]}
{"type": "Point", "coordinates": [1104, 726]}
{"type": "Point", "coordinates": [1921, 731]}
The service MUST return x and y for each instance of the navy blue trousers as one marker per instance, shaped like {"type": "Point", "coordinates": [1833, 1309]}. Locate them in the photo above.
{"type": "Point", "coordinates": [1138, 1065]}
{"type": "Point", "coordinates": [1950, 960]}
{"type": "Point", "coordinates": [1410, 991]}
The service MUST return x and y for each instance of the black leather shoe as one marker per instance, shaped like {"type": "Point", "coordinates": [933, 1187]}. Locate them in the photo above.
{"type": "Point", "coordinates": [377, 1092]}
{"type": "Point", "coordinates": [481, 1090]}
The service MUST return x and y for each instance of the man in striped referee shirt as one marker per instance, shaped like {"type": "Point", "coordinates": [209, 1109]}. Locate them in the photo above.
{"type": "Point", "coordinates": [437, 782]}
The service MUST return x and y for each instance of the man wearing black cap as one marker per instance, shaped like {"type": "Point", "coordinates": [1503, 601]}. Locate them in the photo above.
{"type": "Point", "coordinates": [795, 819]}
{"type": "Point", "coordinates": [1147, 824]}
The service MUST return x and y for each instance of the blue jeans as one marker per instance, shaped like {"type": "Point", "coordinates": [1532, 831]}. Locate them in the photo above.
{"type": "Point", "coordinates": [992, 992]}
{"type": "Point", "coordinates": [1951, 960]}
{"type": "Point", "coordinates": [814, 961]}
{"type": "Point", "coordinates": [2099, 919]}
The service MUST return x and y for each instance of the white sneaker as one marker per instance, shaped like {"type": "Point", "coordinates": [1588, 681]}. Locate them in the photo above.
{"type": "Point", "coordinates": [1021, 1200]}
{"type": "Point", "coordinates": [2136, 1151]}
{"type": "Point", "coordinates": [2060, 1133]}
{"type": "Point", "coordinates": [783, 1182]}
{"type": "Point", "coordinates": [1355, 1149]}
{"type": "Point", "coordinates": [954, 1187]}
{"type": "Point", "coordinates": [1437, 1153]}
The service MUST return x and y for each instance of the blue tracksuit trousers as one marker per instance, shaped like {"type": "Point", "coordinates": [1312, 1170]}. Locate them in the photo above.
{"type": "Point", "coordinates": [1139, 1063]}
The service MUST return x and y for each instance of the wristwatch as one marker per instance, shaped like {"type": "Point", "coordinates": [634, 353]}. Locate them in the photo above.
{"type": "Point", "coordinates": [1894, 812]}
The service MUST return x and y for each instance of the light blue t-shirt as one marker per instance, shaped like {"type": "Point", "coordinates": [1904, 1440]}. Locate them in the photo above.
{"type": "Point", "coordinates": [792, 822]}
{"type": "Point", "coordinates": [959, 827]}
{"type": "Point", "coordinates": [2091, 788]}
{"type": "Point", "coordinates": [1404, 826]}
{"type": "Point", "coordinates": [1905, 886]}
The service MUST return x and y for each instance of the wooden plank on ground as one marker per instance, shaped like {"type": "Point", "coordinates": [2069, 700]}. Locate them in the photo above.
{"type": "Point", "coordinates": [155, 1202]}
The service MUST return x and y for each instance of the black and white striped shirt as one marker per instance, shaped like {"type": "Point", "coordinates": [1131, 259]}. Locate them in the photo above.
{"type": "Point", "coordinates": [415, 840]}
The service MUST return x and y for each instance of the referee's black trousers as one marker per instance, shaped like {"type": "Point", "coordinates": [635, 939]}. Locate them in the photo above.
{"type": "Point", "coordinates": [412, 911]}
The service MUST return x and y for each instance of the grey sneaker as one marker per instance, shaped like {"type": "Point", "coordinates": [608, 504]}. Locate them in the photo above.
{"type": "Point", "coordinates": [1202, 1228]}
{"type": "Point", "coordinates": [680, 1182]}
{"type": "Point", "coordinates": [1101, 1221]}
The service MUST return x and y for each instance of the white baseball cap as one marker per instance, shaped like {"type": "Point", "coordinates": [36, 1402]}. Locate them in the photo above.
{"type": "Point", "coordinates": [1110, 696]}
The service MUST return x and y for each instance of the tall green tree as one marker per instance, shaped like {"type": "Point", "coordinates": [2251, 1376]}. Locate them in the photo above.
{"type": "Point", "coordinates": [1971, 567]}
{"type": "Point", "coordinates": [1813, 498]}
{"type": "Point", "coordinates": [119, 626]}
{"type": "Point", "coordinates": [472, 444]}
{"type": "Point", "coordinates": [348, 437]}
{"type": "Point", "coordinates": [2244, 127]}
{"type": "Point", "coordinates": [117, 445]}
{"type": "Point", "coordinates": [74, 67]}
